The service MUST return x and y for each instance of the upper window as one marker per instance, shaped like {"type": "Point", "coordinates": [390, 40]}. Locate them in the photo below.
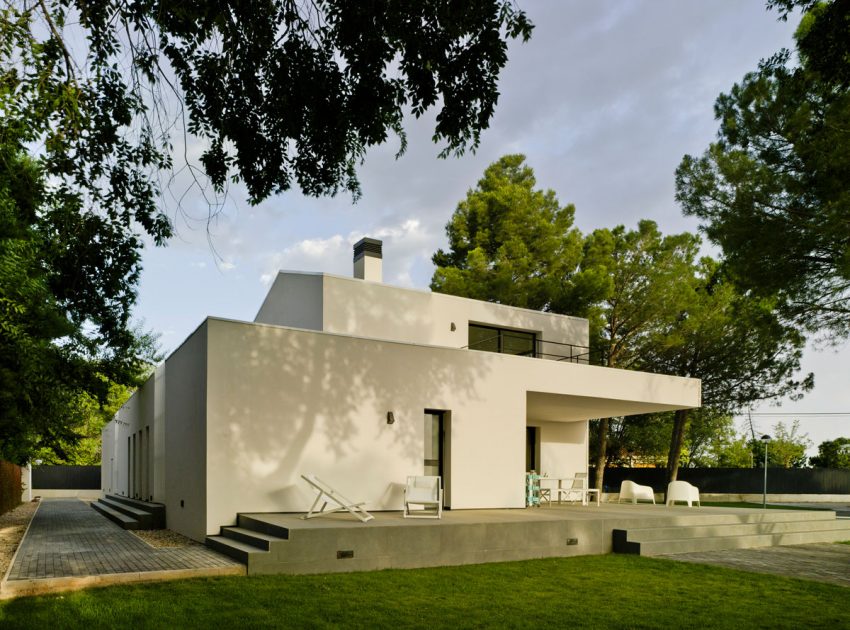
{"type": "Point", "coordinates": [502, 340]}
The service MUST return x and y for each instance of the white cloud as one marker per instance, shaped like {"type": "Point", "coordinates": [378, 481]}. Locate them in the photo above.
{"type": "Point", "coordinates": [405, 244]}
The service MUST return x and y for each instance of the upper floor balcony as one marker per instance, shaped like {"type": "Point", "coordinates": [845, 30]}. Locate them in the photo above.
{"type": "Point", "coordinates": [527, 344]}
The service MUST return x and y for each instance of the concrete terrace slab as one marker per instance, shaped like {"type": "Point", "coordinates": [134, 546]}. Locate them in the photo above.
{"type": "Point", "coordinates": [68, 545]}
{"type": "Point", "coordinates": [339, 542]}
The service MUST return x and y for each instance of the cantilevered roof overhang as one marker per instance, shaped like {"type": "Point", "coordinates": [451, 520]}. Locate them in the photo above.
{"type": "Point", "coordinates": [597, 392]}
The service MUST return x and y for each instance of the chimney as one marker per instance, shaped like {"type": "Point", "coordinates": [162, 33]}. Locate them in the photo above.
{"type": "Point", "coordinates": [368, 260]}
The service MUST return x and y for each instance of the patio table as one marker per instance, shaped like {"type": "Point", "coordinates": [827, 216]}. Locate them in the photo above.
{"type": "Point", "coordinates": [584, 491]}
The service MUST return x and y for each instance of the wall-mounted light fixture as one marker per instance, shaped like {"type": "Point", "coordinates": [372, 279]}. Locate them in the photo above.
{"type": "Point", "coordinates": [390, 417]}
{"type": "Point", "coordinates": [453, 327]}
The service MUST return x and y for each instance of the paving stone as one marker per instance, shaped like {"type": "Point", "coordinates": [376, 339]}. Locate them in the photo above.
{"type": "Point", "coordinates": [824, 562]}
{"type": "Point", "coordinates": [69, 539]}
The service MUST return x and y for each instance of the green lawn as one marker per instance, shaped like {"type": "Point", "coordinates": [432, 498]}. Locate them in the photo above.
{"type": "Point", "coordinates": [590, 591]}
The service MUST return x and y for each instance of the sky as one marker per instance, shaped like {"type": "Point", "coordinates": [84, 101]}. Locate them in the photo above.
{"type": "Point", "coordinates": [604, 101]}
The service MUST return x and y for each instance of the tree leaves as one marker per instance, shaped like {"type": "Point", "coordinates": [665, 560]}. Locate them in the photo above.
{"type": "Point", "coordinates": [773, 190]}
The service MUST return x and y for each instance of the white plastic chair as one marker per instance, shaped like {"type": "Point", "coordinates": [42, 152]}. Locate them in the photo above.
{"type": "Point", "coordinates": [682, 491]}
{"type": "Point", "coordinates": [631, 491]}
{"type": "Point", "coordinates": [426, 493]}
{"type": "Point", "coordinates": [329, 494]}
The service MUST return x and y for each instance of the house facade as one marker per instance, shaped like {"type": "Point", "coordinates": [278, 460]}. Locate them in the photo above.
{"type": "Point", "coordinates": [363, 384]}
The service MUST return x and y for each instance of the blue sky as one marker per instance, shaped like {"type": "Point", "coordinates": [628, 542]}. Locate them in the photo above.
{"type": "Point", "coordinates": [604, 101]}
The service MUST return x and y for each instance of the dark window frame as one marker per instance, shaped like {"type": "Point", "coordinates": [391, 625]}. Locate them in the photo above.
{"type": "Point", "coordinates": [499, 333]}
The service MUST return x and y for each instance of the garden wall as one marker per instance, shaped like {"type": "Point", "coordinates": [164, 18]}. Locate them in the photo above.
{"type": "Point", "coordinates": [784, 481]}
{"type": "Point", "coordinates": [10, 486]}
{"type": "Point", "coordinates": [66, 481]}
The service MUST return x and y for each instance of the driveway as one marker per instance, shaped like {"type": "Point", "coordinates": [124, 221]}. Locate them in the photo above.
{"type": "Point", "coordinates": [69, 545]}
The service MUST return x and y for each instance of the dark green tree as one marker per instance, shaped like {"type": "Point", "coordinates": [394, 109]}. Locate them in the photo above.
{"type": "Point", "coordinates": [786, 449]}
{"type": "Point", "coordinates": [644, 277]}
{"type": "Point", "coordinates": [832, 454]}
{"type": "Point", "coordinates": [774, 189]}
{"type": "Point", "coordinates": [513, 244]}
{"type": "Point", "coordinates": [282, 93]}
{"type": "Point", "coordinates": [731, 340]}
{"type": "Point", "coordinates": [50, 361]}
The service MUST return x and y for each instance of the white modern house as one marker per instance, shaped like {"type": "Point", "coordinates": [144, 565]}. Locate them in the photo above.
{"type": "Point", "coordinates": [363, 384]}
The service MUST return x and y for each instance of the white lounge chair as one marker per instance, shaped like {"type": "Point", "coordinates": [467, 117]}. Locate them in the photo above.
{"type": "Point", "coordinates": [327, 493]}
{"type": "Point", "coordinates": [631, 491]}
{"type": "Point", "coordinates": [682, 491]}
{"type": "Point", "coordinates": [426, 493]}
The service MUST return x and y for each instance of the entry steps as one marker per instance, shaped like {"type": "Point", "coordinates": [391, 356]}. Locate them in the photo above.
{"type": "Point", "coordinates": [715, 533]}
{"type": "Point", "coordinates": [130, 513]}
{"type": "Point", "coordinates": [248, 539]}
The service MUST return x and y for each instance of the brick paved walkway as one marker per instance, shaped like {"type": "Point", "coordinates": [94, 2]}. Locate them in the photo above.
{"type": "Point", "coordinates": [67, 538]}
{"type": "Point", "coordinates": [824, 562]}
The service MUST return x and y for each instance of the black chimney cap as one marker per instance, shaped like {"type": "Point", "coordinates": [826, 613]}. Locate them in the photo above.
{"type": "Point", "coordinates": [368, 247]}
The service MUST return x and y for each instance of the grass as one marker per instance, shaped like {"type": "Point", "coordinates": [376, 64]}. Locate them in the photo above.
{"type": "Point", "coordinates": [610, 591]}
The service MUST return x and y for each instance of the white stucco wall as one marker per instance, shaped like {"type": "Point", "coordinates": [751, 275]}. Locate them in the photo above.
{"type": "Point", "coordinates": [371, 309]}
{"type": "Point", "coordinates": [563, 447]}
{"type": "Point", "coordinates": [294, 299]}
{"type": "Point", "coordinates": [284, 402]}
{"type": "Point", "coordinates": [186, 436]}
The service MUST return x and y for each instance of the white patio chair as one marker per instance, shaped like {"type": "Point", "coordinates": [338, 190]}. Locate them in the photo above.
{"type": "Point", "coordinates": [682, 491]}
{"type": "Point", "coordinates": [579, 487]}
{"type": "Point", "coordinates": [631, 491]}
{"type": "Point", "coordinates": [326, 492]}
{"type": "Point", "coordinates": [425, 493]}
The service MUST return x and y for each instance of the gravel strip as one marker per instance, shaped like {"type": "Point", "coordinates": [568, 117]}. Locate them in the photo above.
{"type": "Point", "coordinates": [164, 538]}
{"type": "Point", "coordinates": [12, 527]}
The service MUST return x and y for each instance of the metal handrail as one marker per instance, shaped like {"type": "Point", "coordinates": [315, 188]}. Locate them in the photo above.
{"type": "Point", "coordinates": [583, 355]}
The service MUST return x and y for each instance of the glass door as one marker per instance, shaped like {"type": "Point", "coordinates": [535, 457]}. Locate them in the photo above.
{"type": "Point", "coordinates": [434, 443]}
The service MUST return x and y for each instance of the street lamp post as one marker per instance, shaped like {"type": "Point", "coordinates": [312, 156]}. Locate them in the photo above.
{"type": "Point", "coordinates": [765, 439]}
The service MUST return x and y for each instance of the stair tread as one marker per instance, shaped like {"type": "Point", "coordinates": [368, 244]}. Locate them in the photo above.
{"type": "Point", "coordinates": [120, 507]}
{"type": "Point", "coordinates": [119, 515]}
{"type": "Point", "coordinates": [730, 537]}
{"type": "Point", "coordinates": [715, 531]}
{"type": "Point", "coordinates": [254, 533]}
{"type": "Point", "coordinates": [236, 544]}
{"type": "Point", "coordinates": [145, 505]}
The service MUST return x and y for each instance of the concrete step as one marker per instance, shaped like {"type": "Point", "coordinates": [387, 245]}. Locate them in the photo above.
{"type": "Point", "coordinates": [236, 549]}
{"type": "Point", "coordinates": [247, 522]}
{"type": "Point", "coordinates": [737, 529]}
{"type": "Point", "coordinates": [670, 540]}
{"type": "Point", "coordinates": [663, 547]}
{"type": "Point", "coordinates": [251, 537]}
{"type": "Point", "coordinates": [156, 510]}
{"type": "Point", "coordinates": [685, 516]}
{"type": "Point", "coordinates": [145, 518]}
{"type": "Point", "coordinates": [121, 519]}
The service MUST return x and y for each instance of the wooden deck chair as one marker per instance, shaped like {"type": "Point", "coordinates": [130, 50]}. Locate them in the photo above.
{"type": "Point", "coordinates": [326, 494]}
{"type": "Point", "coordinates": [425, 492]}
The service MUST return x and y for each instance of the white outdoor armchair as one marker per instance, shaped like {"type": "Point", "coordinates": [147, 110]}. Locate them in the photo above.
{"type": "Point", "coordinates": [630, 491]}
{"type": "Point", "coordinates": [425, 494]}
{"type": "Point", "coordinates": [682, 491]}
